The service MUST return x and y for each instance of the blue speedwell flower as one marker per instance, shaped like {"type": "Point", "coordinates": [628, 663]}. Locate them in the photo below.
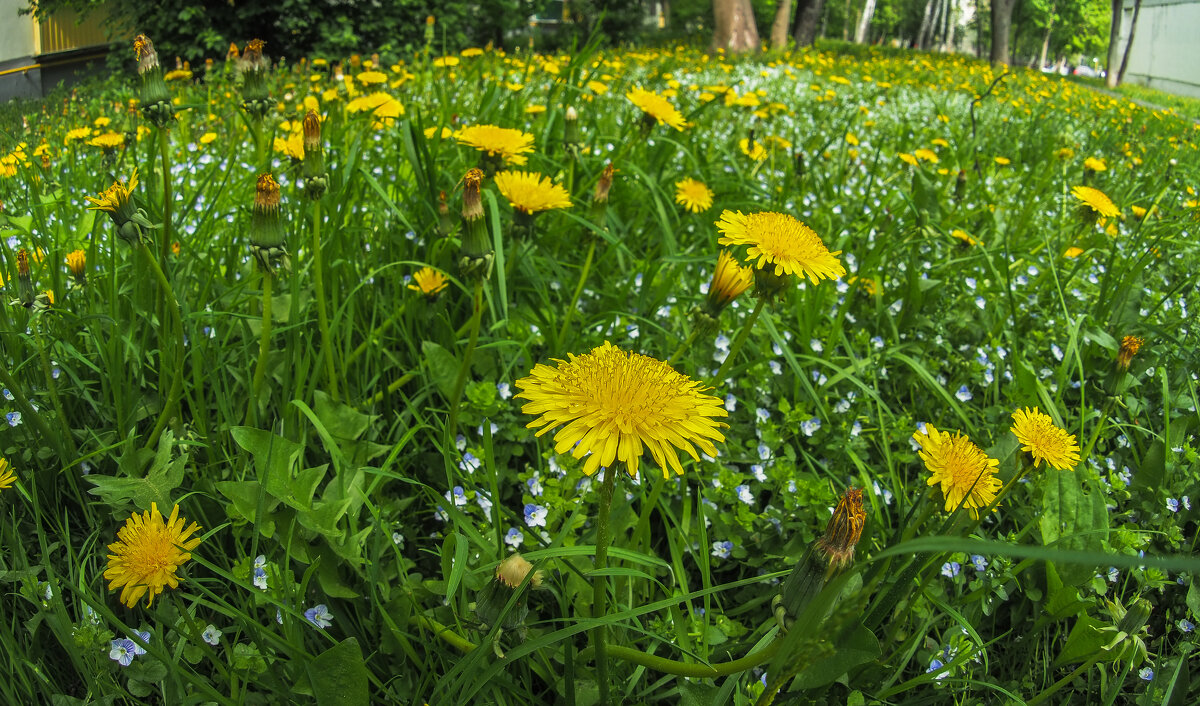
{"type": "Point", "coordinates": [319, 616]}
{"type": "Point", "coordinates": [122, 651]}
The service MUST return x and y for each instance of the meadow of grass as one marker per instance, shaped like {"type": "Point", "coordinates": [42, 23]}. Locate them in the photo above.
{"type": "Point", "coordinates": [256, 352]}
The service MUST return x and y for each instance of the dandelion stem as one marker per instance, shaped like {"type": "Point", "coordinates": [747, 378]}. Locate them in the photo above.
{"type": "Point", "coordinates": [600, 582]}
{"type": "Point", "coordinates": [176, 391]}
{"type": "Point", "coordinates": [686, 669]}
{"type": "Point", "coordinates": [322, 314]}
{"type": "Point", "coordinates": [464, 368]}
{"type": "Point", "coordinates": [740, 340]}
{"type": "Point", "coordinates": [164, 252]}
{"type": "Point", "coordinates": [264, 342]}
{"type": "Point", "coordinates": [583, 274]}
{"type": "Point", "coordinates": [684, 346]}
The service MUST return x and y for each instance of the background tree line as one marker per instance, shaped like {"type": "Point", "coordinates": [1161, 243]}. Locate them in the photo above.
{"type": "Point", "coordinates": [1033, 32]}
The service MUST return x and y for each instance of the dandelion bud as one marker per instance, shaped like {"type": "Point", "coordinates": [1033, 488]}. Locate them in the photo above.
{"type": "Point", "coordinates": [24, 282]}
{"type": "Point", "coordinates": [800, 168]}
{"type": "Point", "coordinates": [960, 185]}
{"type": "Point", "coordinates": [445, 225]}
{"type": "Point", "coordinates": [156, 99]}
{"type": "Point", "coordinates": [476, 254]}
{"type": "Point", "coordinates": [729, 280]}
{"type": "Point", "coordinates": [266, 226]}
{"type": "Point", "coordinates": [77, 265]}
{"type": "Point", "coordinates": [1130, 345]}
{"type": "Point", "coordinates": [509, 577]}
{"type": "Point", "coordinates": [604, 185]}
{"type": "Point", "coordinates": [828, 556]}
{"type": "Point", "coordinates": [315, 178]}
{"type": "Point", "coordinates": [571, 127]}
{"type": "Point", "coordinates": [253, 66]}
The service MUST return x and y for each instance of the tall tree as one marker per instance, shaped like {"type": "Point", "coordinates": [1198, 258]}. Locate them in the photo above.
{"type": "Point", "coordinates": [808, 17]}
{"type": "Point", "coordinates": [864, 22]}
{"type": "Point", "coordinates": [734, 29]}
{"type": "Point", "coordinates": [1002, 11]}
{"type": "Point", "coordinates": [779, 28]}
{"type": "Point", "coordinates": [1114, 44]}
{"type": "Point", "coordinates": [1137, 8]}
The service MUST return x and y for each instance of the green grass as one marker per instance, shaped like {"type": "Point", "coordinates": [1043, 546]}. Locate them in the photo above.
{"type": "Point", "coordinates": [388, 486]}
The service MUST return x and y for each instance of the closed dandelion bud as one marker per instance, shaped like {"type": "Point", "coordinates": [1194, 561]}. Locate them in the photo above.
{"type": "Point", "coordinates": [24, 282]}
{"type": "Point", "coordinates": [476, 255]}
{"type": "Point", "coordinates": [960, 185]}
{"type": "Point", "coordinates": [508, 578]}
{"type": "Point", "coordinates": [800, 168]}
{"type": "Point", "coordinates": [571, 127]}
{"type": "Point", "coordinates": [429, 22]}
{"type": "Point", "coordinates": [231, 59]}
{"type": "Point", "coordinates": [155, 98]}
{"type": "Point", "coordinates": [828, 556]}
{"type": "Point", "coordinates": [445, 225]}
{"type": "Point", "coordinates": [600, 195]}
{"type": "Point", "coordinates": [253, 66]}
{"type": "Point", "coordinates": [266, 226]}
{"type": "Point", "coordinates": [1130, 345]}
{"type": "Point", "coordinates": [729, 280]}
{"type": "Point", "coordinates": [316, 180]}
{"type": "Point", "coordinates": [77, 265]}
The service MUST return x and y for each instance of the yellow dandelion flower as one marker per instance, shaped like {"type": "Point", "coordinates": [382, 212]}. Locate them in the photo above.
{"type": "Point", "coordinates": [1003, 161]}
{"type": "Point", "coordinates": [76, 263]}
{"type": "Point", "coordinates": [964, 236]}
{"type": "Point", "coordinates": [1097, 200]}
{"type": "Point", "coordinates": [530, 192]}
{"type": "Point", "coordinates": [372, 78]}
{"type": "Point", "coordinates": [115, 197]}
{"type": "Point", "coordinates": [534, 109]}
{"type": "Point", "coordinates": [1072, 252]}
{"type": "Point", "coordinates": [1065, 153]}
{"type": "Point", "coordinates": [446, 61]}
{"type": "Point", "coordinates": [1047, 442]}
{"type": "Point", "coordinates": [1130, 345]}
{"type": "Point", "coordinates": [782, 241]}
{"type": "Point", "coordinates": [207, 138]}
{"type": "Point", "coordinates": [966, 475]}
{"type": "Point", "coordinates": [429, 282]}
{"type": "Point", "coordinates": [291, 146]}
{"type": "Point", "coordinates": [147, 553]}
{"type": "Point", "coordinates": [382, 106]}
{"type": "Point", "coordinates": [755, 151]}
{"type": "Point", "coordinates": [102, 121]}
{"type": "Point", "coordinates": [78, 133]}
{"type": "Point", "coordinates": [178, 75]}
{"type": "Point", "coordinates": [597, 87]}
{"type": "Point", "coordinates": [615, 405]}
{"type": "Point", "coordinates": [108, 141]}
{"type": "Point", "coordinates": [657, 107]}
{"type": "Point", "coordinates": [693, 195]}
{"type": "Point", "coordinates": [926, 155]}
{"type": "Point", "coordinates": [908, 159]}
{"type": "Point", "coordinates": [852, 139]}
{"type": "Point", "coordinates": [508, 144]}
{"type": "Point", "coordinates": [7, 477]}
{"type": "Point", "coordinates": [939, 142]}
{"type": "Point", "coordinates": [470, 52]}
{"type": "Point", "coordinates": [1095, 164]}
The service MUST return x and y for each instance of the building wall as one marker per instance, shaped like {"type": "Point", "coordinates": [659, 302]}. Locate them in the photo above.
{"type": "Point", "coordinates": [16, 32]}
{"type": "Point", "coordinates": [1166, 45]}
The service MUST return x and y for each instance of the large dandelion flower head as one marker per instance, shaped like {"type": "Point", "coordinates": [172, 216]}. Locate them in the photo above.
{"type": "Point", "coordinates": [7, 477]}
{"type": "Point", "coordinates": [147, 553]}
{"type": "Point", "coordinates": [1047, 442]}
{"type": "Point", "coordinates": [530, 192]}
{"type": "Point", "coordinates": [116, 198]}
{"type": "Point", "coordinates": [778, 240]}
{"type": "Point", "coordinates": [965, 473]}
{"type": "Point", "coordinates": [616, 404]}
{"type": "Point", "coordinates": [429, 282]}
{"type": "Point", "coordinates": [657, 107]}
{"type": "Point", "coordinates": [505, 143]}
{"type": "Point", "coordinates": [1097, 200]}
{"type": "Point", "coordinates": [693, 195]}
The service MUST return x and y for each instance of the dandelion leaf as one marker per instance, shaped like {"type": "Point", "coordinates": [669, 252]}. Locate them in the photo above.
{"type": "Point", "coordinates": [163, 477]}
{"type": "Point", "coordinates": [858, 646]}
{"type": "Point", "coordinates": [1086, 639]}
{"type": "Point", "coordinates": [1072, 519]}
{"type": "Point", "coordinates": [443, 366]}
{"type": "Point", "coordinates": [346, 426]}
{"type": "Point", "coordinates": [338, 675]}
{"type": "Point", "coordinates": [274, 460]}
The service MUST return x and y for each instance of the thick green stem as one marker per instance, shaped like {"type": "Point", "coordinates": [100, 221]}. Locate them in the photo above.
{"type": "Point", "coordinates": [264, 343]}
{"type": "Point", "coordinates": [600, 583]}
{"type": "Point", "coordinates": [583, 274]}
{"type": "Point", "coordinates": [322, 315]}
{"type": "Point", "coordinates": [164, 253]}
{"type": "Point", "coordinates": [464, 369]}
{"type": "Point", "coordinates": [686, 669]}
{"type": "Point", "coordinates": [739, 341]}
{"type": "Point", "coordinates": [176, 391]}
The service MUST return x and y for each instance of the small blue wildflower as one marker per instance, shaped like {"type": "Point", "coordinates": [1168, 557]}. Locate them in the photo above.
{"type": "Point", "coordinates": [535, 515]}
{"type": "Point", "coordinates": [14, 418]}
{"type": "Point", "coordinates": [1146, 673]}
{"type": "Point", "coordinates": [535, 486]}
{"type": "Point", "coordinates": [121, 651]}
{"type": "Point", "coordinates": [721, 549]}
{"type": "Point", "coordinates": [763, 414]}
{"type": "Point", "coordinates": [319, 616]}
{"type": "Point", "coordinates": [469, 462]}
{"type": "Point", "coordinates": [730, 403]}
{"type": "Point", "coordinates": [856, 429]}
{"type": "Point", "coordinates": [980, 562]}
{"type": "Point", "coordinates": [950, 569]}
{"type": "Point", "coordinates": [744, 494]}
{"type": "Point", "coordinates": [877, 341]}
{"type": "Point", "coordinates": [963, 394]}
{"type": "Point", "coordinates": [211, 635]}
{"type": "Point", "coordinates": [503, 390]}
{"type": "Point", "coordinates": [1185, 625]}
{"type": "Point", "coordinates": [514, 537]}
{"type": "Point", "coordinates": [811, 426]}
{"type": "Point", "coordinates": [764, 452]}
{"type": "Point", "coordinates": [760, 474]}
{"type": "Point", "coordinates": [1172, 504]}
{"type": "Point", "coordinates": [1113, 574]}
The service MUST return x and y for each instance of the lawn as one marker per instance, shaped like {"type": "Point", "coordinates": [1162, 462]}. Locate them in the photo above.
{"type": "Point", "coordinates": [644, 376]}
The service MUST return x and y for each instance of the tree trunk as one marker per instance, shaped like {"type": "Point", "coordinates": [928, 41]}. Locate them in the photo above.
{"type": "Point", "coordinates": [734, 29]}
{"type": "Point", "coordinates": [1002, 11]}
{"type": "Point", "coordinates": [923, 31]}
{"type": "Point", "coordinates": [846, 23]}
{"type": "Point", "coordinates": [978, 30]}
{"type": "Point", "coordinates": [935, 23]}
{"type": "Point", "coordinates": [808, 17]}
{"type": "Point", "coordinates": [1046, 38]}
{"type": "Point", "coordinates": [1114, 45]}
{"type": "Point", "coordinates": [860, 32]}
{"type": "Point", "coordinates": [1137, 7]}
{"type": "Point", "coordinates": [948, 34]}
{"type": "Point", "coordinates": [779, 28]}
